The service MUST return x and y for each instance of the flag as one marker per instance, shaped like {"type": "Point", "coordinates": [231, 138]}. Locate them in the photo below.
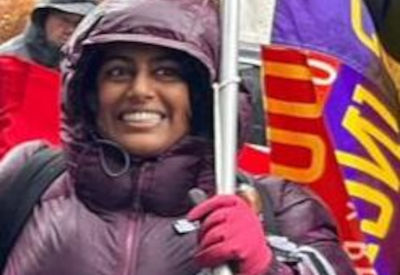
{"type": "Point", "coordinates": [333, 121]}
{"type": "Point", "coordinates": [29, 109]}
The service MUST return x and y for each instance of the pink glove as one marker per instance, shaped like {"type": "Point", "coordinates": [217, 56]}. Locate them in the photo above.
{"type": "Point", "coordinates": [230, 231]}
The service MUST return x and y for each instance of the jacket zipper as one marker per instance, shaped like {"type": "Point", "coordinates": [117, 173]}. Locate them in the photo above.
{"type": "Point", "coordinates": [134, 223]}
{"type": "Point", "coordinates": [129, 245]}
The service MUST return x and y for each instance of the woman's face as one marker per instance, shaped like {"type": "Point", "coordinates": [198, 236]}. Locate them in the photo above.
{"type": "Point", "coordinates": [143, 100]}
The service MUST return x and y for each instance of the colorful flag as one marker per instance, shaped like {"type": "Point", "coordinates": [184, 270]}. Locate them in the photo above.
{"type": "Point", "coordinates": [29, 109]}
{"type": "Point", "coordinates": [333, 122]}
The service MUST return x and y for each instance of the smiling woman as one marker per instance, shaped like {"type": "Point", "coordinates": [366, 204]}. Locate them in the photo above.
{"type": "Point", "coordinates": [143, 98]}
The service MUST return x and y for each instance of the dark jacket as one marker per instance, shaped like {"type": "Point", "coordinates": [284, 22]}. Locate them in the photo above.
{"type": "Point", "coordinates": [32, 44]}
{"type": "Point", "coordinates": [84, 226]}
{"type": "Point", "coordinates": [113, 213]}
{"type": "Point", "coordinates": [385, 14]}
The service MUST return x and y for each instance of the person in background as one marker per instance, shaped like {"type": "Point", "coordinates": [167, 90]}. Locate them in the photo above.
{"type": "Point", "coordinates": [52, 23]}
{"type": "Point", "coordinates": [137, 138]}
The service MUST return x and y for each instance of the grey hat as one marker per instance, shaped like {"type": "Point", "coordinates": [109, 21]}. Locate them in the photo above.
{"type": "Point", "coordinates": [79, 7]}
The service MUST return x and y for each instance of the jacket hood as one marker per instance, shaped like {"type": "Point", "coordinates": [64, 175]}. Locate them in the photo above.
{"type": "Point", "coordinates": [39, 49]}
{"type": "Point", "coordinates": [42, 7]}
{"type": "Point", "coordinates": [189, 26]}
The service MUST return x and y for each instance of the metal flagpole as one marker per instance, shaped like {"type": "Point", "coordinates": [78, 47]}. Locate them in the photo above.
{"type": "Point", "coordinates": [226, 106]}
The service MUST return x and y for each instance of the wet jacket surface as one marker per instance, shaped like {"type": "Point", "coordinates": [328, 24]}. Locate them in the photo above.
{"type": "Point", "coordinates": [78, 229]}
{"type": "Point", "coordinates": [91, 223]}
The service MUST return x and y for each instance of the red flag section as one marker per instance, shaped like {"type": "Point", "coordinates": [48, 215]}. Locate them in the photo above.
{"type": "Point", "coordinates": [29, 109]}
{"type": "Point", "coordinates": [254, 159]}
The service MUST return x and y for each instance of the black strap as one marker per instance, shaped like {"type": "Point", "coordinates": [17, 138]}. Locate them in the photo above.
{"type": "Point", "coordinates": [269, 221]}
{"type": "Point", "coordinates": [270, 224]}
{"type": "Point", "coordinates": [25, 189]}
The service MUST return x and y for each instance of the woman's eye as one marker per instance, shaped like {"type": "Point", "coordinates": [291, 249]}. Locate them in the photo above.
{"type": "Point", "coordinates": [118, 73]}
{"type": "Point", "coordinates": [168, 74]}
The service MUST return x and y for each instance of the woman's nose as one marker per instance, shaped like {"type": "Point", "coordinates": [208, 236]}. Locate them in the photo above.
{"type": "Point", "coordinates": [142, 86]}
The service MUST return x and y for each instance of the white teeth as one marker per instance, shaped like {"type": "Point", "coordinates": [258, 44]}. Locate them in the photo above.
{"type": "Point", "coordinates": [141, 117]}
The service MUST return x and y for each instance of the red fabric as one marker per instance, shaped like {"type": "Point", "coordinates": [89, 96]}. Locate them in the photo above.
{"type": "Point", "coordinates": [29, 103]}
{"type": "Point", "coordinates": [254, 159]}
{"type": "Point", "coordinates": [230, 231]}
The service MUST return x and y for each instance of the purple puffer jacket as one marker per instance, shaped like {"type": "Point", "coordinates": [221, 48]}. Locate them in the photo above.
{"type": "Point", "coordinates": [81, 227]}
{"type": "Point", "coordinates": [112, 213]}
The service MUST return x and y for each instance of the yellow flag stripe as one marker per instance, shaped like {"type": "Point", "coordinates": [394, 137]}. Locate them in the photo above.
{"type": "Point", "coordinates": [289, 71]}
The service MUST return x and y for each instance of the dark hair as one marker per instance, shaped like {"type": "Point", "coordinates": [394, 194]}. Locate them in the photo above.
{"type": "Point", "coordinates": [84, 85]}
{"type": "Point", "coordinates": [197, 77]}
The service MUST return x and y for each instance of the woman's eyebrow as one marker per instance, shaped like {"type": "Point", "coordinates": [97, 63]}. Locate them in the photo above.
{"type": "Point", "coordinates": [116, 57]}
{"type": "Point", "coordinates": [165, 57]}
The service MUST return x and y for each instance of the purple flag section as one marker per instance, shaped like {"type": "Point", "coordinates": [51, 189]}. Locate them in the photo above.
{"type": "Point", "coordinates": [340, 28]}
{"type": "Point", "coordinates": [362, 115]}
{"type": "Point", "coordinates": [366, 136]}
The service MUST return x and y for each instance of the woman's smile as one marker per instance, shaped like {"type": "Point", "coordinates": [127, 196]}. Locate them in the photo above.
{"type": "Point", "coordinates": [141, 120]}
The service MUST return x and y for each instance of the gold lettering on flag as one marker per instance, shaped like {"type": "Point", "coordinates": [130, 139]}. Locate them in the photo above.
{"type": "Point", "coordinates": [368, 135]}
{"type": "Point", "coordinates": [370, 41]}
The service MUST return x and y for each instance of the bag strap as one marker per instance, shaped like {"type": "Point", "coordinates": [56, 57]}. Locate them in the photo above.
{"type": "Point", "coordinates": [269, 222]}
{"type": "Point", "coordinates": [23, 193]}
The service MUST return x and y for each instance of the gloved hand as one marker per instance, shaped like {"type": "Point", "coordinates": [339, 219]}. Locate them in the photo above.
{"type": "Point", "coordinates": [231, 231]}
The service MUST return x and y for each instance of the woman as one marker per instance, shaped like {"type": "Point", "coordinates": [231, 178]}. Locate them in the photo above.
{"type": "Point", "coordinates": [137, 138]}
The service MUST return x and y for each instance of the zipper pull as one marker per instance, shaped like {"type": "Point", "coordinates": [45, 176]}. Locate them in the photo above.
{"type": "Point", "coordinates": [183, 226]}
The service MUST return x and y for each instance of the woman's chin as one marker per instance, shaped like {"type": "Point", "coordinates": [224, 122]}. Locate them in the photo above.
{"type": "Point", "coordinates": [148, 143]}
{"type": "Point", "coordinates": [146, 148]}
